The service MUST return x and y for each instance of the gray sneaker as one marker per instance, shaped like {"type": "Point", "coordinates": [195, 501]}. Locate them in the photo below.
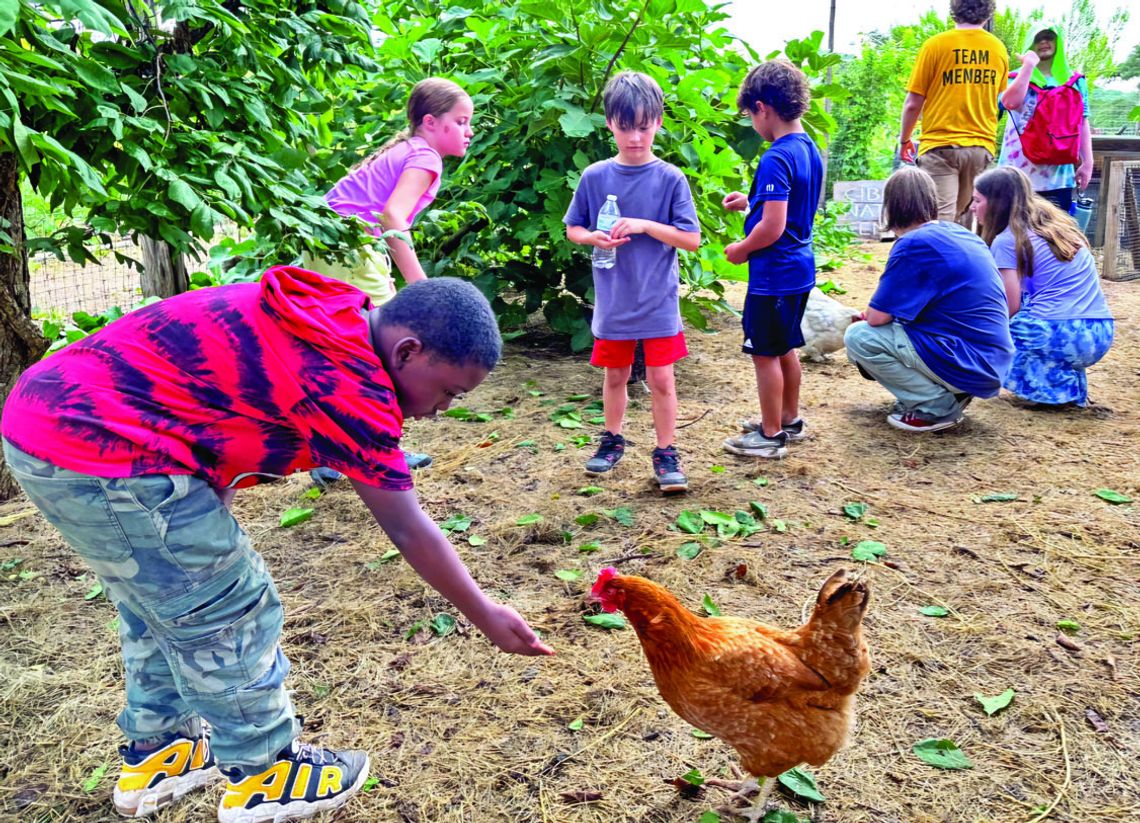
{"type": "Point", "coordinates": [757, 444]}
{"type": "Point", "coordinates": [796, 430]}
{"type": "Point", "coordinates": [667, 470]}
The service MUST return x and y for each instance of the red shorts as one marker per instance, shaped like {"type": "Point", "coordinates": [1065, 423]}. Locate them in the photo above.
{"type": "Point", "coordinates": [659, 351]}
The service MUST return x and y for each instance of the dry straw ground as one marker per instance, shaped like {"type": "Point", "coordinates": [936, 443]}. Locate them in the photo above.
{"type": "Point", "coordinates": [458, 732]}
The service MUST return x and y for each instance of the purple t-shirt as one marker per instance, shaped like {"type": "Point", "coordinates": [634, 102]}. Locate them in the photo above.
{"type": "Point", "coordinates": [364, 191]}
{"type": "Point", "coordinates": [1057, 290]}
{"type": "Point", "coordinates": [638, 298]}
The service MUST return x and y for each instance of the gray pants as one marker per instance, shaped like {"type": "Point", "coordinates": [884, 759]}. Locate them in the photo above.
{"type": "Point", "coordinates": [886, 354]}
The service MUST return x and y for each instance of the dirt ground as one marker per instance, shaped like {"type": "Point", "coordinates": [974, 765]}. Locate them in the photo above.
{"type": "Point", "coordinates": [458, 732]}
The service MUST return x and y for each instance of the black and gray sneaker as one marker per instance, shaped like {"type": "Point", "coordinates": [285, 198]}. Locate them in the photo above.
{"type": "Point", "coordinates": [757, 444]}
{"type": "Point", "coordinates": [610, 451]}
{"type": "Point", "coordinates": [667, 470]}
{"type": "Point", "coordinates": [796, 430]}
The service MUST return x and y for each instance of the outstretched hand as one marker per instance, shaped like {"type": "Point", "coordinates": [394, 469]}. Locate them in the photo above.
{"type": "Point", "coordinates": [510, 632]}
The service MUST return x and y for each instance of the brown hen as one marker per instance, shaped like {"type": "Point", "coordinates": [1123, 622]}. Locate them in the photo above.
{"type": "Point", "coordinates": [780, 698]}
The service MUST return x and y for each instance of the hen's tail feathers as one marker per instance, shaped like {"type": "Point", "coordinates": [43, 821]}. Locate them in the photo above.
{"type": "Point", "coordinates": [842, 601]}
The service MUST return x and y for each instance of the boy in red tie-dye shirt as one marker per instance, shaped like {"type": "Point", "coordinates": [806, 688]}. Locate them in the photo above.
{"type": "Point", "coordinates": [132, 443]}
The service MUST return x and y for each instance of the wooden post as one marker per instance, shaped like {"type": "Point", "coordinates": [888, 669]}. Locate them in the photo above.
{"type": "Point", "coordinates": [1114, 174]}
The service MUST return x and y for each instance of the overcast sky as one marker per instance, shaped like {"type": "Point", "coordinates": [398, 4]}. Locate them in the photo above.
{"type": "Point", "coordinates": [767, 24]}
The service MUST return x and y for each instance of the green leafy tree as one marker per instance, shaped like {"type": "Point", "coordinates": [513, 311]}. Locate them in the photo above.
{"type": "Point", "coordinates": [1130, 68]}
{"type": "Point", "coordinates": [162, 120]}
{"type": "Point", "coordinates": [536, 71]}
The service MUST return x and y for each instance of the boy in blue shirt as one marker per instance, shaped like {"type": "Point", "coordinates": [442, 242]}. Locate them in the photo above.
{"type": "Point", "coordinates": [637, 298]}
{"type": "Point", "coordinates": [778, 248]}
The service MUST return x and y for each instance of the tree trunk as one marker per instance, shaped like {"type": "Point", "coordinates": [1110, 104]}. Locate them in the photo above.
{"type": "Point", "coordinates": [826, 156]}
{"type": "Point", "coordinates": [21, 343]}
{"type": "Point", "coordinates": [164, 271]}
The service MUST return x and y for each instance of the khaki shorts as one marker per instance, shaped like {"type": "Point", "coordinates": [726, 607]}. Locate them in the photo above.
{"type": "Point", "coordinates": [954, 169]}
{"type": "Point", "coordinates": [372, 273]}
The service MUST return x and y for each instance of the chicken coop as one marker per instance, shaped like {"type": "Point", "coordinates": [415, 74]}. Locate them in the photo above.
{"type": "Point", "coordinates": [1114, 228]}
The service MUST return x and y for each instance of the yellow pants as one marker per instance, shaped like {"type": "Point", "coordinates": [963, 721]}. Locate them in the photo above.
{"type": "Point", "coordinates": [371, 273]}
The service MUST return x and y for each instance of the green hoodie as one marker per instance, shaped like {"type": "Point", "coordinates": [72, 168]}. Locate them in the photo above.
{"type": "Point", "coordinates": [1061, 72]}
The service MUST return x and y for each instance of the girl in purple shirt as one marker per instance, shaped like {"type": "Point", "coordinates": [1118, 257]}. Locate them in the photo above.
{"type": "Point", "coordinates": [397, 182]}
{"type": "Point", "coordinates": [1060, 322]}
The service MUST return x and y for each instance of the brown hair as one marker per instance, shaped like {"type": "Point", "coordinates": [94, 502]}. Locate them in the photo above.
{"type": "Point", "coordinates": [909, 198]}
{"type": "Point", "coordinates": [633, 99]}
{"type": "Point", "coordinates": [972, 12]}
{"type": "Point", "coordinates": [432, 95]}
{"type": "Point", "coordinates": [779, 84]}
{"type": "Point", "coordinates": [1011, 203]}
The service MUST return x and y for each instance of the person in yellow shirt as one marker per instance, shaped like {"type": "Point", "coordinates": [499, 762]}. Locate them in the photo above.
{"type": "Point", "coordinates": [954, 87]}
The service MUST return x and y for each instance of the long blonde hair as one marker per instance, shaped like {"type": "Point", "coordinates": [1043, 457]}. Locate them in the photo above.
{"type": "Point", "coordinates": [432, 95]}
{"type": "Point", "coordinates": [1011, 203]}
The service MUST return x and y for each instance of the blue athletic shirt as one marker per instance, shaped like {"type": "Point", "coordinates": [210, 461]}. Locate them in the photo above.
{"type": "Point", "coordinates": [790, 170]}
{"type": "Point", "coordinates": [942, 285]}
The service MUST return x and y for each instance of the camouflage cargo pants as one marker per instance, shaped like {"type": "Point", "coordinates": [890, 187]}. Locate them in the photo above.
{"type": "Point", "coordinates": [200, 617]}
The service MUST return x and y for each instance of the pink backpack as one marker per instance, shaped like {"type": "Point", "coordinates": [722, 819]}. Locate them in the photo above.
{"type": "Point", "coordinates": [1053, 134]}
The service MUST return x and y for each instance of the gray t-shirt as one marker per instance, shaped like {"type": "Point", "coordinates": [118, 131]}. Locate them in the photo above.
{"type": "Point", "coordinates": [638, 298]}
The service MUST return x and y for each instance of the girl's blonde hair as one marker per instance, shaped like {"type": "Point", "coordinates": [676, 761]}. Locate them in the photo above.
{"type": "Point", "coordinates": [433, 95]}
{"type": "Point", "coordinates": [909, 198]}
{"type": "Point", "coordinates": [1011, 203]}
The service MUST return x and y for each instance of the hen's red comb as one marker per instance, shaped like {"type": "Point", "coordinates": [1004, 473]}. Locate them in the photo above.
{"type": "Point", "coordinates": [604, 576]}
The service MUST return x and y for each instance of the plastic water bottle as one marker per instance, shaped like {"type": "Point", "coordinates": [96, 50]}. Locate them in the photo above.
{"type": "Point", "coordinates": [1081, 210]}
{"type": "Point", "coordinates": [608, 216]}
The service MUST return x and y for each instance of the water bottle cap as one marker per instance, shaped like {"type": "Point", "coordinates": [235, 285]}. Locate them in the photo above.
{"type": "Point", "coordinates": [611, 197]}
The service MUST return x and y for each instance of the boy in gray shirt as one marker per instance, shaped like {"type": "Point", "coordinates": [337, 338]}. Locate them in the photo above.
{"type": "Point", "coordinates": [638, 297]}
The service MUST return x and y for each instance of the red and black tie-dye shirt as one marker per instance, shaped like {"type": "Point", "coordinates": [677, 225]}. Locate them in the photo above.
{"type": "Point", "coordinates": [232, 384]}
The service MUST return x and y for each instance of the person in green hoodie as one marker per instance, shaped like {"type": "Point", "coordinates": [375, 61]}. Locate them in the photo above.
{"type": "Point", "coordinates": [1044, 66]}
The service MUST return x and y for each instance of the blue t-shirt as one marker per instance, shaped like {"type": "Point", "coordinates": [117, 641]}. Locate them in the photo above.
{"type": "Point", "coordinates": [790, 170]}
{"type": "Point", "coordinates": [1056, 290]}
{"type": "Point", "coordinates": [942, 285]}
{"type": "Point", "coordinates": [638, 298]}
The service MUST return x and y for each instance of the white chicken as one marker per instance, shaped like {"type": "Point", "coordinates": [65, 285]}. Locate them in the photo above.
{"type": "Point", "coordinates": [825, 320]}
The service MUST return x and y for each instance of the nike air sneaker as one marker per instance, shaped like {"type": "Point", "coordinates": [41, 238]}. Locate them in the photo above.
{"type": "Point", "coordinates": [153, 778]}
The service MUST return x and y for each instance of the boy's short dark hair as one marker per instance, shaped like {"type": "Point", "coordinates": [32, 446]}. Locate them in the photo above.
{"type": "Point", "coordinates": [972, 12]}
{"type": "Point", "coordinates": [909, 198]}
{"type": "Point", "coordinates": [779, 84]}
{"type": "Point", "coordinates": [450, 317]}
{"type": "Point", "coordinates": [633, 99]}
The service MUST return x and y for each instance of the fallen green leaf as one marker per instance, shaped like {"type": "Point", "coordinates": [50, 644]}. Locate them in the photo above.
{"type": "Point", "coordinates": [993, 705]}
{"type": "Point", "coordinates": [294, 517]}
{"type": "Point", "coordinates": [716, 518]}
{"type": "Point", "coordinates": [802, 784]}
{"type": "Point", "coordinates": [941, 753]}
{"type": "Point", "coordinates": [868, 550]}
{"type": "Point", "coordinates": [779, 525]}
{"type": "Point", "coordinates": [855, 510]}
{"type": "Point", "coordinates": [760, 481]}
{"type": "Point", "coordinates": [590, 491]}
{"type": "Point", "coordinates": [689, 550]}
{"type": "Point", "coordinates": [587, 519]}
{"type": "Point", "coordinates": [94, 778]}
{"type": "Point", "coordinates": [574, 398]}
{"type": "Point", "coordinates": [576, 724]}
{"type": "Point", "coordinates": [311, 494]}
{"type": "Point", "coordinates": [476, 540]}
{"type": "Point", "coordinates": [710, 606]}
{"type": "Point", "coordinates": [592, 546]}
{"type": "Point", "coordinates": [605, 620]}
{"type": "Point", "coordinates": [622, 515]}
{"type": "Point", "coordinates": [709, 817]}
{"type": "Point", "coordinates": [1070, 626]}
{"type": "Point", "coordinates": [693, 777]}
{"type": "Point", "coordinates": [996, 497]}
{"type": "Point", "coordinates": [443, 625]}
{"type": "Point", "coordinates": [371, 783]}
{"type": "Point", "coordinates": [456, 523]}
{"type": "Point", "coordinates": [529, 520]}
{"type": "Point", "coordinates": [701, 735]}
{"type": "Point", "coordinates": [1113, 497]}
{"type": "Point", "coordinates": [716, 469]}
{"type": "Point", "coordinates": [94, 591]}
{"type": "Point", "coordinates": [569, 575]}
{"type": "Point", "coordinates": [935, 611]}
{"type": "Point", "coordinates": [690, 522]}
{"type": "Point", "coordinates": [760, 509]}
